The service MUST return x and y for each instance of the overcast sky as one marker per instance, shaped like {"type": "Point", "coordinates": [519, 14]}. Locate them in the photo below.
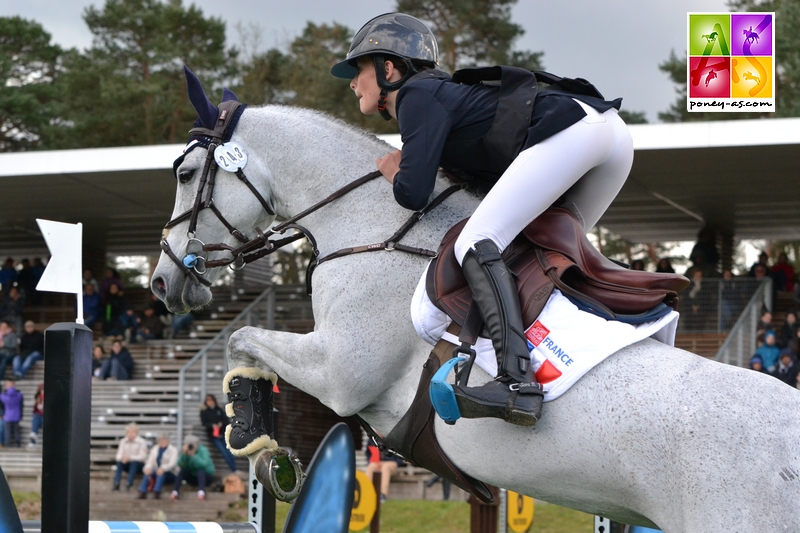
{"type": "Point", "coordinates": [615, 44]}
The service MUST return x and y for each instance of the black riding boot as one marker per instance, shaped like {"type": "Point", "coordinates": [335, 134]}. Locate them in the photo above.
{"type": "Point", "coordinates": [514, 395]}
{"type": "Point", "coordinates": [250, 411]}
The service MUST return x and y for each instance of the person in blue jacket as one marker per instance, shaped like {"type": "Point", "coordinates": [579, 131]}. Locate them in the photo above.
{"type": "Point", "coordinates": [529, 148]}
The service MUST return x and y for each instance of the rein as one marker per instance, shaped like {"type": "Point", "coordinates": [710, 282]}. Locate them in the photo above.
{"type": "Point", "coordinates": [195, 262]}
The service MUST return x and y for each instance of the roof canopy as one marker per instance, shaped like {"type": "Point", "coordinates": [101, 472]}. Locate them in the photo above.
{"type": "Point", "coordinates": [742, 176]}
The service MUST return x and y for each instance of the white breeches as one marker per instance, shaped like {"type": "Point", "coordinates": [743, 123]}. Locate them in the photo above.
{"type": "Point", "coordinates": [587, 163]}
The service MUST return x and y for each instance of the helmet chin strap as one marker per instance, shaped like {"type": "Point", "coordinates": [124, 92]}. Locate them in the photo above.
{"type": "Point", "coordinates": [386, 85]}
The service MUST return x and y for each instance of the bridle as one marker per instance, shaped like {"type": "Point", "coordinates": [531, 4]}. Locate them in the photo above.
{"type": "Point", "coordinates": [195, 263]}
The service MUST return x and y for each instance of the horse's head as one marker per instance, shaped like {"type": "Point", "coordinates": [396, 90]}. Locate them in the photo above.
{"type": "Point", "coordinates": [218, 205]}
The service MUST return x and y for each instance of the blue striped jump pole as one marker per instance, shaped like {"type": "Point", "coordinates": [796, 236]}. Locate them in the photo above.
{"type": "Point", "coordinates": [98, 526]}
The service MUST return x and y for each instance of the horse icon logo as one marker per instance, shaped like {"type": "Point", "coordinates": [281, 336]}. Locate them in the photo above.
{"type": "Point", "coordinates": [711, 76]}
{"type": "Point", "coordinates": [750, 36]}
{"type": "Point", "coordinates": [750, 76]}
{"type": "Point", "coordinates": [710, 37]}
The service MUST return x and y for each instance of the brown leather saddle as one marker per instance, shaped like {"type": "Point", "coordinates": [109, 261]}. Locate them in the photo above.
{"type": "Point", "coordinates": [553, 252]}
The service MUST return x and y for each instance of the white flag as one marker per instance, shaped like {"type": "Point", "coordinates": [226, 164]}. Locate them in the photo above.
{"type": "Point", "coordinates": [63, 272]}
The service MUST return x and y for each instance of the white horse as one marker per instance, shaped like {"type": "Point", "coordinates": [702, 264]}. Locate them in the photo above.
{"type": "Point", "coordinates": [654, 435]}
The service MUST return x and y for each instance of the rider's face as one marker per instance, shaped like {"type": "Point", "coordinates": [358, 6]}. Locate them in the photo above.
{"type": "Point", "coordinates": [365, 86]}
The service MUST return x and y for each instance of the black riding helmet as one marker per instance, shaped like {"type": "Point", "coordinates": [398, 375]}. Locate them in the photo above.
{"type": "Point", "coordinates": [396, 34]}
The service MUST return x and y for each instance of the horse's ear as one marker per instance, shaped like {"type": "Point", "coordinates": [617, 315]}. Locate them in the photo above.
{"type": "Point", "coordinates": [206, 111]}
{"type": "Point", "coordinates": [227, 94]}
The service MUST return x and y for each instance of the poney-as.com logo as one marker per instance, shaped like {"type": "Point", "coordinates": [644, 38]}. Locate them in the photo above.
{"type": "Point", "coordinates": [731, 62]}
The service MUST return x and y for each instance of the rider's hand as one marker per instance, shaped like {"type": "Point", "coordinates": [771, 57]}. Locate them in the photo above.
{"type": "Point", "coordinates": [389, 165]}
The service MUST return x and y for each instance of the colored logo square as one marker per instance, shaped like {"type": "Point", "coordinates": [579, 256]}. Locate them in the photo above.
{"type": "Point", "coordinates": [709, 77]}
{"type": "Point", "coordinates": [709, 34]}
{"type": "Point", "coordinates": [751, 34]}
{"type": "Point", "coordinates": [537, 333]}
{"type": "Point", "coordinates": [751, 77]}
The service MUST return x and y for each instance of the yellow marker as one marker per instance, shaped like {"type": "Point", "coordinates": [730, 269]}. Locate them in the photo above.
{"type": "Point", "coordinates": [520, 512]}
{"type": "Point", "coordinates": [364, 503]}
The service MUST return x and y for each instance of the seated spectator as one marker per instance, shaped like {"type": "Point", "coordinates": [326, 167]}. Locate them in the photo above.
{"type": "Point", "coordinates": [114, 306]}
{"type": "Point", "coordinates": [131, 455]}
{"type": "Point", "coordinates": [764, 325]}
{"type": "Point", "coordinates": [788, 330]}
{"type": "Point", "coordinates": [88, 279]}
{"type": "Point", "coordinates": [92, 306]}
{"type": "Point", "coordinates": [119, 364]}
{"type": "Point", "coordinates": [783, 273]}
{"type": "Point", "coordinates": [787, 369]}
{"type": "Point", "coordinates": [196, 467]}
{"type": "Point", "coordinates": [11, 308]}
{"type": "Point", "coordinates": [12, 399]}
{"type": "Point", "coordinates": [665, 266]}
{"type": "Point", "coordinates": [150, 326]}
{"type": "Point", "coordinates": [761, 265]}
{"type": "Point", "coordinates": [757, 364]}
{"type": "Point", "coordinates": [215, 421]}
{"type": "Point", "coordinates": [769, 351]}
{"type": "Point", "coordinates": [8, 346]}
{"type": "Point", "coordinates": [387, 465]}
{"type": "Point", "coordinates": [31, 350]}
{"type": "Point", "coordinates": [180, 322]}
{"type": "Point", "coordinates": [638, 264]}
{"type": "Point", "coordinates": [160, 468]}
{"type": "Point", "coordinates": [98, 358]}
{"type": "Point", "coordinates": [110, 279]}
{"type": "Point", "coordinates": [38, 415]}
{"type": "Point", "coordinates": [128, 325]}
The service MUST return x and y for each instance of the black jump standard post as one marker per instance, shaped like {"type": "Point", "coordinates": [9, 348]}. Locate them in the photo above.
{"type": "Point", "coordinates": [66, 428]}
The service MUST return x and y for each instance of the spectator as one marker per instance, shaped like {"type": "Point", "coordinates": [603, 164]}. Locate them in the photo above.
{"type": "Point", "coordinates": [38, 415]}
{"type": "Point", "coordinates": [92, 306]}
{"type": "Point", "coordinates": [12, 399]}
{"type": "Point", "coordinates": [638, 264]}
{"type": "Point", "coordinates": [150, 326]}
{"type": "Point", "coordinates": [789, 329]}
{"type": "Point", "coordinates": [787, 369]}
{"type": "Point", "coordinates": [127, 325]}
{"type": "Point", "coordinates": [196, 467]}
{"type": "Point", "coordinates": [88, 279]}
{"type": "Point", "coordinates": [38, 270]}
{"type": "Point", "coordinates": [764, 325]}
{"type": "Point", "coordinates": [769, 351]}
{"type": "Point", "coordinates": [763, 261]}
{"type": "Point", "coordinates": [8, 346]}
{"type": "Point", "coordinates": [98, 357]}
{"type": "Point", "coordinates": [111, 278]}
{"type": "Point", "coordinates": [11, 308]}
{"type": "Point", "coordinates": [215, 421]}
{"type": "Point", "coordinates": [180, 322]}
{"type": "Point", "coordinates": [131, 455]}
{"type": "Point", "coordinates": [8, 275]}
{"type": "Point", "coordinates": [387, 465]}
{"type": "Point", "coordinates": [113, 307]}
{"type": "Point", "coordinates": [160, 468]}
{"type": "Point", "coordinates": [119, 364]}
{"type": "Point", "coordinates": [757, 364]}
{"type": "Point", "coordinates": [783, 273]}
{"type": "Point", "coordinates": [25, 279]}
{"type": "Point", "coordinates": [698, 298]}
{"type": "Point", "coordinates": [665, 266]}
{"type": "Point", "coordinates": [31, 349]}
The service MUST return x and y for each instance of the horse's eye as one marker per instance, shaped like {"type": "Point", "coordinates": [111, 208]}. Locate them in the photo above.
{"type": "Point", "coordinates": [185, 176]}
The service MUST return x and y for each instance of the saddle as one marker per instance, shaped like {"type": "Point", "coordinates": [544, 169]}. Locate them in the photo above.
{"type": "Point", "coordinates": [553, 252]}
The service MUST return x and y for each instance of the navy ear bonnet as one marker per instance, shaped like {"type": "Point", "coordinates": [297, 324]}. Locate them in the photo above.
{"type": "Point", "coordinates": [207, 114]}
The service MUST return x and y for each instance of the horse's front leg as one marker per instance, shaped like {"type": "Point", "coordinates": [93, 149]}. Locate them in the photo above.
{"type": "Point", "coordinates": [256, 357]}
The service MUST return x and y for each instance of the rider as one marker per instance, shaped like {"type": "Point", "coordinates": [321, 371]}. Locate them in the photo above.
{"type": "Point", "coordinates": [528, 150]}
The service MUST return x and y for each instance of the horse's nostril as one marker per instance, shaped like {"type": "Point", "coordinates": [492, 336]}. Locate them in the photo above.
{"type": "Point", "coordinates": [159, 287]}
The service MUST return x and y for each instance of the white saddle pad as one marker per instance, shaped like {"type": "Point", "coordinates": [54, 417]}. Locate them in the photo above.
{"type": "Point", "coordinates": [565, 342]}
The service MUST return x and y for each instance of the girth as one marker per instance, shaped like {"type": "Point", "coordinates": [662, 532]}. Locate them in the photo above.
{"type": "Point", "coordinates": [553, 252]}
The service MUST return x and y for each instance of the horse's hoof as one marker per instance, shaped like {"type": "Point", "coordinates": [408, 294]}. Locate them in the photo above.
{"type": "Point", "coordinates": [281, 473]}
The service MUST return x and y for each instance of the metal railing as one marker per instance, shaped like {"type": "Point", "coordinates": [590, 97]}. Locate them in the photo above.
{"type": "Point", "coordinates": [714, 305]}
{"type": "Point", "coordinates": [740, 343]}
{"type": "Point", "coordinates": [260, 312]}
